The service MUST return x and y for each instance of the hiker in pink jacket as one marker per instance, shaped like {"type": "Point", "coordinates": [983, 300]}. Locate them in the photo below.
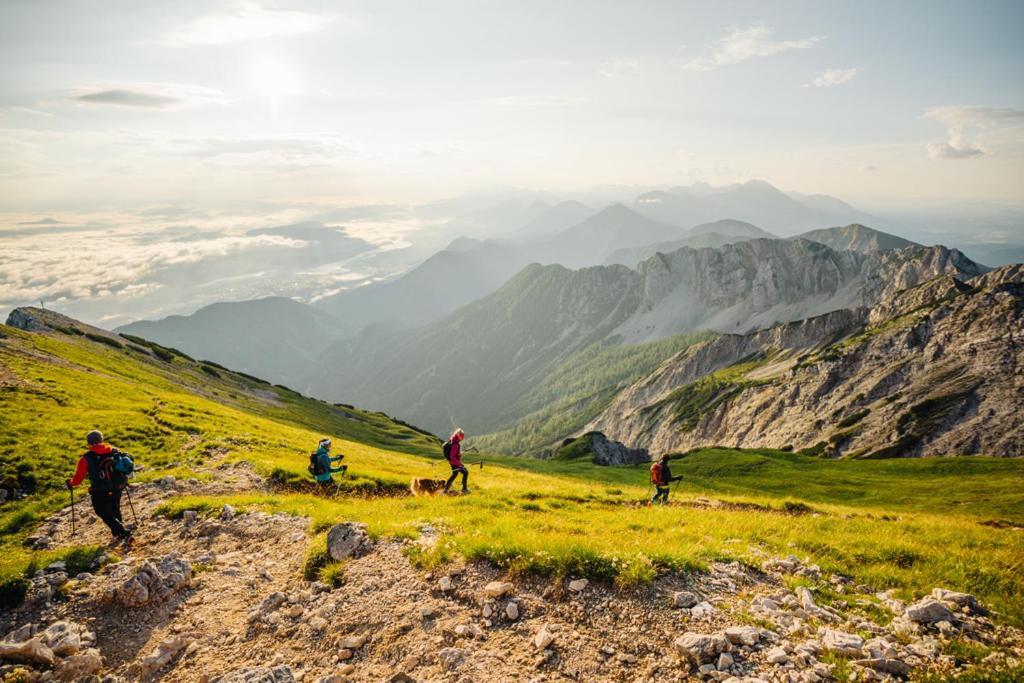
{"type": "Point", "coordinates": [453, 451]}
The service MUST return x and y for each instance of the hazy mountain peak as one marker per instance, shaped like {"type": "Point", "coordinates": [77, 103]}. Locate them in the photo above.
{"type": "Point", "coordinates": [464, 244]}
{"type": "Point", "coordinates": [857, 237]}
{"type": "Point", "coordinates": [729, 228]}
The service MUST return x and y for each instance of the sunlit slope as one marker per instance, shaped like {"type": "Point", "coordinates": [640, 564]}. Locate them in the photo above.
{"type": "Point", "coordinates": [909, 525]}
{"type": "Point", "coordinates": [56, 384]}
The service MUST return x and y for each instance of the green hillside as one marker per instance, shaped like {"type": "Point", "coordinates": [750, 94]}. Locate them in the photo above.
{"type": "Point", "coordinates": [577, 390]}
{"type": "Point", "coordinates": [906, 525]}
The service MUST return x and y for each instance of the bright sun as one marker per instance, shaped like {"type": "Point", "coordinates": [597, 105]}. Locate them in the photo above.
{"type": "Point", "coordinates": [273, 78]}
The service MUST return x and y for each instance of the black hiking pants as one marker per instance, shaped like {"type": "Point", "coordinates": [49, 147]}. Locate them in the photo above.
{"type": "Point", "coordinates": [455, 473]}
{"type": "Point", "coordinates": [660, 494]}
{"type": "Point", "coordinates": [107, 505]}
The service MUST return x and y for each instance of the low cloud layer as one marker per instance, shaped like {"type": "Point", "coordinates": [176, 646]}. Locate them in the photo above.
{"type": "Point", "coordinates": [742, 43]}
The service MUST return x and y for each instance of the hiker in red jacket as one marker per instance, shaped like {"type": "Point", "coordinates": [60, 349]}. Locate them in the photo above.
{"type": "Point", "coordinates": [661, 477]}
{"type": "Point", "coordinates": [454, 454]}
{"type": "Point", "coordinates": [107, 471]}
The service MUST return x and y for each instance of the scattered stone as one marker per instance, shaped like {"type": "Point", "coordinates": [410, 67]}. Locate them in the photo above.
{"type": "Point", "coordinates": [161, 656]}
{"type": "Point", "coordinates": [894, 667]}
{"type": "Point", "coordinates": [543, 638]}
{"type": "Point", "coordinates": [702, 610]}
{"type": "Point", "coordinates": [961, 600]}
{"type": "Point", "coordinates": [451, 657]}
{"type": "Point", "coordinates": [578, 585]}
{"type": "Point", "coordinates": [189, 517]}
{"type": "Point", "coordinates": [841, 642]}
{"type": "Point", "coordinates": [743, 635]}
{"type": "Point", "coordinates": [260, 674]}
{"type": "Point", "coordinates": [348, 539]}
{"type": "Point", "coordinates": [928, 611]}
{"type": "Point", "coordinates": [511, 611]}
{"type": "Point", "coordinates": [66, 638]}
{"type": "Point", "coordinates": [445, 584]}
{"type": "Point", "coordinates": [227, 512]}
{"type": "Point", "coordinates": [777, 655]}
{"type": "Point", "coordinates": [701, 647]}
{"type": "Point", "coordinates": [685, 599]}
{"type": "Point", "coordinates": [85, 663]}
{"type": "Point", "coordinates": [318, 624]}
{"type": "Point", "coordinates": [150, 582]}
{"type": "Point", "coordinates": [353, 642]}
{"type": "Point", "coordinates": [725, 661]}
{"type": "Point", "coordinates": [31, 651]}
{"type": "Point", "coordinates": [496, 589]}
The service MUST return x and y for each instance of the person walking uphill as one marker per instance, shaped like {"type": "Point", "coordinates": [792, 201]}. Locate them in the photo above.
{"type": "Point", "coordinates": [453, 452]}
{"type": "Point", "coordinates": [661, 477]}
{"type": "Point", "coordinates": [320, 463]}
{"type": "Point", "coordinates": [108, 470]}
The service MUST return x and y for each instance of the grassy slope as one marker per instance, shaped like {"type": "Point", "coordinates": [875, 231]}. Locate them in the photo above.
{"type": "Point", "coordinates": [909, 525]}
{"type": "Point", "coordinates": [171, 415]}
{"type": "Point", "coordinates": [577, 390]}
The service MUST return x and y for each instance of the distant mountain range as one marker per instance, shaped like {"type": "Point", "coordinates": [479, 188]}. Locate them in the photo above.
{"type": "Point", "coordinates": [469, 366]}
{"type": "Point", "coordinates": [755, 202]}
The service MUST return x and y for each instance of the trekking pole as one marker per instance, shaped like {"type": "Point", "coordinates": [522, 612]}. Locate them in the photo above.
{"type": "Point", "coordinates": [71, 490]}
{"type": "Point", "coordinates": [128, 490]}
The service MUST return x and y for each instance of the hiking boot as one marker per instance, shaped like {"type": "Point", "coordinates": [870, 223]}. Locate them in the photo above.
{"type": "Point", "coordinates": [465, 491]}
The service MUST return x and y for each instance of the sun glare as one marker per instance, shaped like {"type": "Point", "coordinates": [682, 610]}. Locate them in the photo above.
{"type": "Point", "coordinates": [274, 79]}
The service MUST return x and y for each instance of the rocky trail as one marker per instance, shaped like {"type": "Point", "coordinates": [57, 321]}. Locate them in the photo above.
{"type": "Point", "coordinates": [221, 598]}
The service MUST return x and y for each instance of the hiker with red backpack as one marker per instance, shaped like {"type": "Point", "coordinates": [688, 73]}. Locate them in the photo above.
{"type": "Point", "coordinates": [452, 450]}
{"type": "Point", "coordinates": [108, 470]}
{"type": "Point", "coordinates": [661, 477]}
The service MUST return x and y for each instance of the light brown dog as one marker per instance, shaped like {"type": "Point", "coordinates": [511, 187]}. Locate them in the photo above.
{"type": "Point", "coordinates": [421, 486]}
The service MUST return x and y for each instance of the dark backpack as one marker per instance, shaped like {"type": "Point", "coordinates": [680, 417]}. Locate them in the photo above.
{"type": "Point", "coordinates": [316, 466]}
{"type": "Point", "coordinates": [109, 472]}
{"type": "Point", "coordinates": [447, 450]}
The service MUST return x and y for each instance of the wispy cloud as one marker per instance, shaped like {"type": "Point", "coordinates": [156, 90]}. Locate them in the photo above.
{"type": "Point", "coordinates": [963, 125]}
{"type": "Point", "coordinates": [832, 77]}
{"type": "Point", "coordinates": [534, 101]}
{"type": "Point", "coordinates": [742, 43]}
{"type": "Point", "coordinates": [247, 22]}
{"type": "Point", "coordinates": [15, 109]}
{"type": "Point", "coordinates": [620, 68]}
{"type": "Point", "coordinates": [149, 95]}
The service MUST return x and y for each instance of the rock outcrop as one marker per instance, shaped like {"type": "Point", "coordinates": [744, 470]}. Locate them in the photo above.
{"type": "Point", "coordinates": [936, 370]}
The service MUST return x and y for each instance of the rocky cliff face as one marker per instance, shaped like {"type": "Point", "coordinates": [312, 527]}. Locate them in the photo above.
{"type": "Point", "coordinates": [937, 370]}
{"type": "Point", "coordinates": [757, 283]}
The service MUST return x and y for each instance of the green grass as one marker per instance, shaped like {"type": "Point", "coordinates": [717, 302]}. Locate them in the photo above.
{"type": "Point", "coordinates": [908, 525]}
{"type": "Point", "coordinates": [172, 416]}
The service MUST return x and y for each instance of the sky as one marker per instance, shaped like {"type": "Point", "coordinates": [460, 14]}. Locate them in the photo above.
{"type": "Point", "coordinates": [120, 121]}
